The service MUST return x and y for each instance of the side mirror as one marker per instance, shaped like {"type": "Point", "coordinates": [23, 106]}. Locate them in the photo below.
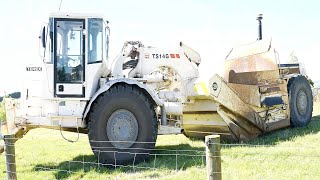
{"type": "Point", "coordinates": [43, 37]}
{"type": "Point", "coordinates": [107, 29]}
{"type": "Point", "coordinates": [107, 34]}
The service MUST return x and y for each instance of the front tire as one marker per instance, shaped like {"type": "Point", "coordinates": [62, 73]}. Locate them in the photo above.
{"type": "Point", "coordinates": [300, 101]}
{"type": "Point", "coordinates": [122, 126]}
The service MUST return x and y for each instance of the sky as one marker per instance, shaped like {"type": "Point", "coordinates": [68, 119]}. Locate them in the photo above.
{"type": "Point", "coordinates": [211, 27]}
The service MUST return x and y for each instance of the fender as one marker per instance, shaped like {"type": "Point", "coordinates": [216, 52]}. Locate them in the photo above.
{"type": "Point", "coordinates": [110, 83]}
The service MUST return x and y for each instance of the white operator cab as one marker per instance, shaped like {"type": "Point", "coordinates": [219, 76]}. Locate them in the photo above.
{"type": "Point", "coordinates": [75, 49]}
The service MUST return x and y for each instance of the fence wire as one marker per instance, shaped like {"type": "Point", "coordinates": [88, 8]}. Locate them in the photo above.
{"type": "Point", "coordinates": [48, 156]}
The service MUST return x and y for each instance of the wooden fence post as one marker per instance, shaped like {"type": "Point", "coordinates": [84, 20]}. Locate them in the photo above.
{"type": "Point", "coordinates": [213, 157]}
{"type": "Point", "coordinates": [9, 149]}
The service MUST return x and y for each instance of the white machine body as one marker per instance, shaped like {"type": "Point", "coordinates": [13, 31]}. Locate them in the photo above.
{"type": "Point", "coordinates": [76, 70]}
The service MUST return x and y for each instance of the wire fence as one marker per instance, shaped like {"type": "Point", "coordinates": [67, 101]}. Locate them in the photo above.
{"type": "Point", "coordinates": [43, 154]}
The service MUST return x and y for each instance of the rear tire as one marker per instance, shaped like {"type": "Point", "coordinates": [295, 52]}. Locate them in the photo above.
{"type": "Point", "coordinates": [123, 113]}
{"type": "Point", "coordinates": [300, 101]}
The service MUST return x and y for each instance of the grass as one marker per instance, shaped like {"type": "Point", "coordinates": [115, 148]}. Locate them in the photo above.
{"type": "Point", "coordinates": [2, 111]}
{"type": "Point", "coordinates": [286, 154]}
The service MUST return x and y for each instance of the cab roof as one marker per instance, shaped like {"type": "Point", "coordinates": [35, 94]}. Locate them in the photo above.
{"type": "Point", "coordinates": [75, 15]}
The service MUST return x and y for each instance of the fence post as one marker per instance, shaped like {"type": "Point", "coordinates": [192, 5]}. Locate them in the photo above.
{"type": "Point", "coordinates": [10, 156]}
{"type": "Point", "coordinates": [213, 157]}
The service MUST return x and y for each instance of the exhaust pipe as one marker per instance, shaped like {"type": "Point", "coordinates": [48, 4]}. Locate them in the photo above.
{"type": "Point", "coordinates": [259, 18]}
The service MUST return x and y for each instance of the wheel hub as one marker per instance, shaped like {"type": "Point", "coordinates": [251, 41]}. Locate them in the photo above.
{"type": "Point", "coordinates": [122, 129]}
{"type": "Point", "coordinates": [302, 101]}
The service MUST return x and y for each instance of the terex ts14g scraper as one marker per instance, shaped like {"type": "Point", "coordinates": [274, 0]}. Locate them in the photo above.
{"type": "Point", "coordinates": [125, 103]}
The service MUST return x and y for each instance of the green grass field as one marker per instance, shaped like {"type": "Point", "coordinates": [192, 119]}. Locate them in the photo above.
{"type": "Point", "coordinates": [286, 154]}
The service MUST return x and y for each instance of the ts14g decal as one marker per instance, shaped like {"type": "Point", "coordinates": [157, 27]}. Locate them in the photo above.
{"type": "Point", "coordinates": [165, 56]}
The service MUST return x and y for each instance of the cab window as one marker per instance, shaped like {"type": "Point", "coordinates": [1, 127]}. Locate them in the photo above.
{"type": "Point", "coordinates": [95, 43]}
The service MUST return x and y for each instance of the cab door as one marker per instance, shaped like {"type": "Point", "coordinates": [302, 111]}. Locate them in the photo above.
{"type": "Point", "coordinates": [69, 58]}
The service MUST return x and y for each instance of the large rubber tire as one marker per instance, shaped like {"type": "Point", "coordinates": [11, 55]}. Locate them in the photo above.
{"type": "Point", "coordinates": [131, 116]}
{"type": "Point", "coordinates": [300, 101]}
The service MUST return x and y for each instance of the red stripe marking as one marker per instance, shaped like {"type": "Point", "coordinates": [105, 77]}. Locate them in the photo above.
{"type": "Point", "coordinates": [178, 55]}
{"type": "Point", "coordinates": [172, 56]}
